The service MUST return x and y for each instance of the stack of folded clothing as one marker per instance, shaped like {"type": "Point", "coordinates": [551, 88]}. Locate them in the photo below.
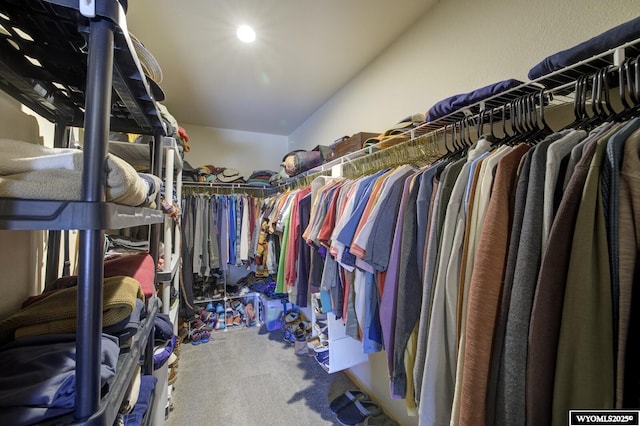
{"type": "Point", "coordinates": [55, 312]}
{"type": "Point", "coordinates": [278, 177]}
{"type": "Point", "coordinates": [39, 382]}
{"type": "Point", "coordinates": [261, 177]}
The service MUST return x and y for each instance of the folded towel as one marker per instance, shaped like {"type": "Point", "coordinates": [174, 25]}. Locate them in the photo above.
{"type": "Point", "coordinates": [56, 174]}
{"type": "Point", "coordinates": [139, 266]}
{"type": "Point", "coordinates": [610, 39]}
{"type": "Point", "coordinates": [20, 156]}
{"type": "Point", "coordinates": [56, 314]}
{"type": "Point", "coordinates": [124, 185]}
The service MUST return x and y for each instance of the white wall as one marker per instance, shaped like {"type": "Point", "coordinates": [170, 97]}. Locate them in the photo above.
{"type": "Point", "coordinates": [22, 253]}
{"type": "Point", "coordinates": [245, 151]}
{"type": "Point", "coordinates": [459, 45]}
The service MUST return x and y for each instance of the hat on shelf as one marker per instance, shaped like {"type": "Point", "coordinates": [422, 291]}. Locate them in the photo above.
{"type": "Point", "coordinates": [406, 123]}
{"type": "Point", "coordinates": [386, 140]}
{"type": "Point", "coordinates": [210, 170]}
{"type": "Point", "coordinates": [150, 67]}
{"type": "Point", "coordinates": [229, 175]}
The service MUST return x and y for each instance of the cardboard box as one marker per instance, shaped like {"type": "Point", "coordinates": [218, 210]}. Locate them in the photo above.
{"type": "Point", "coordinates": [352, 144]}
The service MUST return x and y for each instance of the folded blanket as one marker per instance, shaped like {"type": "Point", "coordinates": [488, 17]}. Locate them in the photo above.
{"type": "Point", "coordinates": [153, 184]}
{"type": "Point", "coordinates": [56, 314]}
{"type": "Point", "coordinates": [610, 39]}
{"type": "Point", "coordinates": [128, 327]}
{"type": "Point", "coordinates": [456, 102]}
{"type": "Point", "coordinates": [38, 381]}
{"type": "Point", "coordinates": [20, 157]}
{"type": "Point", "coordinates": [139, 266]}
{"type": "Point", "coordinates": [56, 174]}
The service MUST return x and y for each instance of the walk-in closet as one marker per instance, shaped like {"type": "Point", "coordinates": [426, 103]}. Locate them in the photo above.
{"type": "Point", "coordinates": [319, 213]}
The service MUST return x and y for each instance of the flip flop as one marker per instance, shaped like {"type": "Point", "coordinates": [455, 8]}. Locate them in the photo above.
{"type": "Point", "coordinates": [355, 413]}
{"type": "Point", "coordinates": [347, 398]}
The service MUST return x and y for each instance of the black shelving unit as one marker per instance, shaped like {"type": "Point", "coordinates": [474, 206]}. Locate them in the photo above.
{"type": "Point", "coordinates": [73, 63]}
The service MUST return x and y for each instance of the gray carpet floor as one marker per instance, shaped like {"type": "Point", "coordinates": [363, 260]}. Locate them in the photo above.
{"type": "Point", "coordinates": [248, 377]}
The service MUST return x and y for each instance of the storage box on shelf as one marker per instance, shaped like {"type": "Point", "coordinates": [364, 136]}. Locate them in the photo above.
{"type": "Point", "coordinates": [352, 144]}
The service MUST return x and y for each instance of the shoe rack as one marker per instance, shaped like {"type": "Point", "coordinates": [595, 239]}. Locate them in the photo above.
{"type": "Point", "coordinates": [223, 310]}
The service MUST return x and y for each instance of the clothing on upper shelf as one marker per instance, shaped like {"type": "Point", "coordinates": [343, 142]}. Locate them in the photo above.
{"type": "Point", "coordinates": [457, 102]}
{"type": "Point", "coordinates": [609, 39]}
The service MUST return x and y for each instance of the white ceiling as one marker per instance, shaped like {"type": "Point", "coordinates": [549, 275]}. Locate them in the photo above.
{"type": "Point", "coordinates": [305, 51]}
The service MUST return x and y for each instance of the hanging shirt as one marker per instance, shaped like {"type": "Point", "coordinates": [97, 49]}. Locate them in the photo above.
{"type": "Point", "coordinates": [438, 380]}
{"type": "Point", "coordinates": [485, 289]}
{"type": "Point", "coordinates": [584, 362]}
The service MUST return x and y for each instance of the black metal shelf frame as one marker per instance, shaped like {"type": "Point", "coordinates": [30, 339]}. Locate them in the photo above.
{"type": "Point", "coordinates": [82, 71]}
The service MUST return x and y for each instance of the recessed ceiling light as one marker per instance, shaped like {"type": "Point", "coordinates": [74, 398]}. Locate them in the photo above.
{"type": "Point", "coordinates": [246, 34]}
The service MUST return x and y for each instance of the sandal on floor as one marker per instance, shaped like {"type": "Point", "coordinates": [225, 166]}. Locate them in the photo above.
{"type": "Point", "coordinates": [196, 337]}
{"type": "Point", "coordinates": [347, 398]}
{"type": "Point", "coordinates": [356, 412]}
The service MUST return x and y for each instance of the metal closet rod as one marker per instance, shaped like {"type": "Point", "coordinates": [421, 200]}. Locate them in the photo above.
{"type": "Point", "coordinates": [210, 188]}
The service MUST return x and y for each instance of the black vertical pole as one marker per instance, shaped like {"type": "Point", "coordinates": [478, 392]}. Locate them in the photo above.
{"type": "Point", "coordinates": [91, 242]}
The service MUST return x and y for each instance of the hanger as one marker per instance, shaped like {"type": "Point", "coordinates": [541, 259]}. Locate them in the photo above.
{"type": "Point", "coordinates": [541, 127]}
{"type": "Point", "coordinates": [599, 100]}
{"type": "Point", "coordinates": [505, 135]}
{"type": "Point", "coordinates": [516, 122]}
{"type": "Point", "coordinates": [623, 84]}
{"type": "Point", "coordinates": [480, 123]}
{"type": "Point", "coordinates": [579, 101]}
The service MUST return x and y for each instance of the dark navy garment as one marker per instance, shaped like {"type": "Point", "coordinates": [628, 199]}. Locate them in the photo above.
{"type": "Point", "coordinates": [610, 39]}
{"type": "Point", "coordinates": [38, 381]}
{"type": "Point", "coordinates": [136, 416]}
{"type": "Point", "coordinates": [455, 102]}
{"type": "Point", "coordinates": [304, 256]}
